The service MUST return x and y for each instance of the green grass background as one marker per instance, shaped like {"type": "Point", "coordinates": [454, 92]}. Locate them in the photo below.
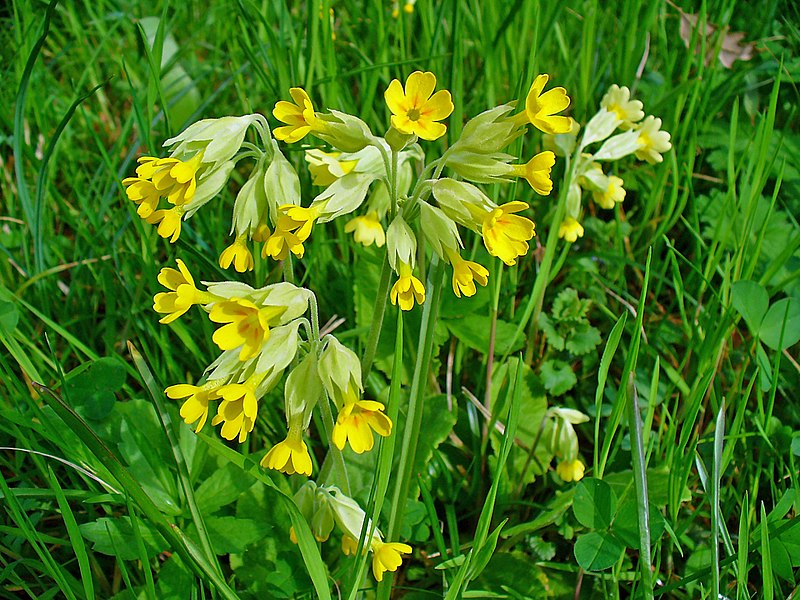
{"type": "Point", "coordinates": [86, 87]}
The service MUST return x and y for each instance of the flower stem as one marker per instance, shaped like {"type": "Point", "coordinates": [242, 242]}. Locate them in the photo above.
{"type": "Point", "coordinates": [377, 319]}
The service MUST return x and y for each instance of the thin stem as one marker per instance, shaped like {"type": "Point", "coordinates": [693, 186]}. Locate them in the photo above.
{"type": "Point", "coordinates": [377, 319]}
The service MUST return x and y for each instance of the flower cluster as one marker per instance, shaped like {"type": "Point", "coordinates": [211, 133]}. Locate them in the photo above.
{"type": "Point", "coordinates": [260, 337]}
{"type": "Point", "coordinates": [639, 136]}
{"type": "Point", "coordinates": [326, 507]}
{"type": "Point", "coordinates": [363, 170]}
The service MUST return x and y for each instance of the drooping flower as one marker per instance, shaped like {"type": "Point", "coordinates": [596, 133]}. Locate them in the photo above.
{"type": "Point", "coordinates": [293, 227]}
{"type": "Point", "coordinates": [612, 195]}
{"type": "Point", "coordinates": [195, 407]}
{"type": "Point", "coordinates": [537, 172]}
{"type": "Point", "coordinates": [247, 325]}
{"type": "Point", "coordinates": [387, 556]}
{"type": "Point", "coordinates": [367, 230]}
{"type": "Point", "coordinates": [299, 117]}
{"type": "Point", "coordinates": [407, 289]}
{"type": "Point", "coordinates": [182, 295]}
{"type": "Point", "coordinates": [541, 108]}
{"type": "Point", "coordinates": [356, 422]}
{"type": "Point", "coordinates": [325, 168]}
{"type": "Point", "coordinates": [174, 179]}
{"type": "Point", "coordinates": [618, 100]}
{"type": "Point", "coordinates": [239, 254]}
{"type": "Point", "coordinates": [289, 456]}
{"type": "Point", "coordinates": [143, 193]}
{"type": "Point", "coordinates": [416, 109]}
{"type": "Point", "coordinates": [571, 470]}
{"type": "Point", "coordinates": [652, 141]}
{"type": "Point", "coordinates": [168, 221]}
{"type": "Point", "coordinates": [570, 229]}
{"type": "Point", "coordinates": [506, 234]}
{"type": "Point", "coordinates": [238, 409]}
{"type": "Point", "coordinates": [465, 274]}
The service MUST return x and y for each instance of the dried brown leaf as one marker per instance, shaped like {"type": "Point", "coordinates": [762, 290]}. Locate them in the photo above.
{"type": "Point", "coordinates": [732, 48]}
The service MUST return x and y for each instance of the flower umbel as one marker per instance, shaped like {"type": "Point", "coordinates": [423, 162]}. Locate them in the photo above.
{"type": "Point", "coordinates": [416, 108]}
{"type": "Point", "coordinates": [506, 234]}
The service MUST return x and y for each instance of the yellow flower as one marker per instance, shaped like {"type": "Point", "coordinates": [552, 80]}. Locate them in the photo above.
{"type": "Point", "coordinates": [196, 405]}
{"type": "Point", "coordinates": [289, 456]}
{"type": "Point", "coordinates": [387, 557]}
{"type": "Point", "coordinates": [349, 545]}
{"type": "Point", "coordinates": [238, 409]}
{"type": "Point", "coordinates": [407, 290]}
{"type": "Point", "coordinates": [415, 110]}
{"type": "Point", "coordinates": [169, 223]}
{"type": "Point", "coordinates": [541, 108]}
{"type": "Point", "coordinates": [239, 254]}
{"type": "Point", "coordinates": [465, 274]}
{"type": "Point", "coordinates": [325, 168]}
{"type": "Point", "coordinates": [571, 470]}
{"type": "Point", "coordinates": [537, 172]}
{"type": "Point", "coordinates": [299, 117]}
{"type": "Point", "coordinates": [505, 234]}
{"type": "Point", "coordinates": [183, 294]}
{"type": "Point", "coordinates": [293, 227]}
{"type": "Point", "coordinates": [570, 229]}
{"type": "Point", "coordinates": [173, 178]}
{"type": "Point", "coordinates": [652, 142]}
{"type": "Point", "coordinates": [613, 194]}
{"type": "Point", "coordinates": [367, 230]}
{"type": "Point", "coordinates": [247, 325]}
{"type": "Point", "coordinates": [355, 423]}
{"type": "Point", "coordinates": [143, 193]}
{"type": "Point", "coordinates": [618, 100]}
{"type": "Point", "coordinates": [292, 535]}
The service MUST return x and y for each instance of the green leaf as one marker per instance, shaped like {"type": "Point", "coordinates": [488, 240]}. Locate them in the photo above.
{"type": "Point", "coordinates": [584, 338]}
{"type": "Point", "coordinates": [515, 572]}
{"type": "Point", "coordinates": [626, 523]}
{"type": "Point", "coordinates": [115, 537]}
{"type": "Point", "coordinates": [221, 488]}
{"type": "Point", "coordinates": [475, 331]}
{"type": "Point", "coordinates": [554, 338]}
{"type": "Point", "coordinates": [231, 534]}
{"type": "Point", "coordinates": [174, 579]}
{"type": "Point", "coordinates": [594, 504]}
{"type": "Point", "coordinates": [568, 307]}
{"type": "Point", "coordinates": [485, 552]}
{"type": "Point", "coordinates": [597, 550]}
{"type": "Point", "coordinates": [558, 377]}
{"type": "Point", "coordinates": [91, 387]}
{"type": "Point", "coordinates": [9, 317]}
{"type": "Point", "coordinates": [751, 300]}
{"type": "Point", "coordinates": [781, 326]}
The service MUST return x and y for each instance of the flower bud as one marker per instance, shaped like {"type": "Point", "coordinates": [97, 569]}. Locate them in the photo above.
{"type": "Point", "coordinates": [281, 183]}
{"type": "Point", "coordinates": [339, 368]}
{"type": "Point", "coordinates": [303, 389]}
{"type": "Point", "coordinates": [344, 132]}
{"type": "Point", "coordinates": [490, 131]}
{"type": "Point", "coordinates": [439, 229]}
{"type": "Point", "coordinates": [401, 243]}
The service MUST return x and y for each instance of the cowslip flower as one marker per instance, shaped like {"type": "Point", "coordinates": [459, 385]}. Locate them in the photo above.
{"type": "Point", "coordinates": [537, 172]}
{"type": "Point", "coordinates": [238, 409]}
{"type": "Point", "coordinates": [195, 407]}
{"type": "Point", "coordinates": [407, 289]}
{"type": "Point", "coordinates": [367, 230]}
{"type": "Point", "coordinates": [355, 423]}
{"type": "Point", "coordinates": [506, 234]}
{"type": "Point", "coordinates": [325, 168]}
{"type": "Point", "coordinates": [239, 254]}
{"type": "Point", "coordinates": [618, 100]}
{"type": "Point", "coordinates": [541, 108]}
{"type": "Point", "coordinates": [612, 195]}
{"type": "Point", "coordinates": [299, 117]}
{"type": "Point", "coordinates": [182, 295]}
{"type": "Point", "coordinates": [652, 141]}
{"type": "Point", "coordinates": [571, 470]}
{"type": "Point", "coordinates": [246, 325]}
{"type": "Point", "coordinates": [168, 221]}
{"type": "Point", "coordinates": [293, 226]}
{"type": "Point", "coordinates": [387, 556]}
{"type": "Point", "coordinates": [289, 456]}
{"type": "Point", "coordinates": [465, 274]}
{"type": "Point", "coordinates": [416, 109]}
{"type": "Point", "coordinates": [570, 229]}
